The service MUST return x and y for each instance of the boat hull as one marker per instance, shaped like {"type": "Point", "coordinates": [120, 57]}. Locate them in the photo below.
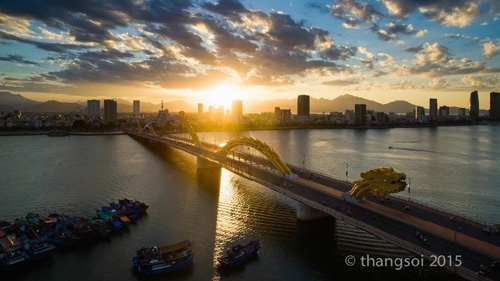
{"type": "Point", "coordinates": [240, 254]}
{"type": "Point", "coordinates": [163, 268]}
{"type": "Point", "coordinates": [155, 260]}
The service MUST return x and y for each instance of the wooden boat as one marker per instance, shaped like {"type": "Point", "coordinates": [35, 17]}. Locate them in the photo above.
{"type": "Point", "coordinates": [239, 254]}
{"type": "Point", "coordinates": [154, 260]}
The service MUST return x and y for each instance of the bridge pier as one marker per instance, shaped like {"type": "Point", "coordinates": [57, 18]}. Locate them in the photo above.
{"type": "Point", "coordinates": [308, 213]}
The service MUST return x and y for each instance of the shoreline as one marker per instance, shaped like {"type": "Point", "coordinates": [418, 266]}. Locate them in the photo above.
{"type": "Point", "coordinates": [222, 129]}
{"type": "Point", "coordinates": [47, 133]}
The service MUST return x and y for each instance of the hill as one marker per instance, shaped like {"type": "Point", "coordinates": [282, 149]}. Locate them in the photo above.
{"type": "Point", "coordinates": [53, 106]}
{"type": "Point", "coordinates": [10, 102]}
{"type": "Point", "coordinates": [15, 100]}
{"type": "Point", "coordinates": [339, 104]}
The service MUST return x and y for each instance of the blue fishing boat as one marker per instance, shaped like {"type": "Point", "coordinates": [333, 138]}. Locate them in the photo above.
{"type": "Point", "coordinates": [153, 260]}
{"type": "Point", "coordinates": [114, 224]}
{"type": "Point", "coordinates": [39, 248]}
{"type": "Point", "coordinates": [12, 253]}
{"type": "Point", "coordinates": [239, 254]}
{"type": "Point", "coordinates": [134, 206]}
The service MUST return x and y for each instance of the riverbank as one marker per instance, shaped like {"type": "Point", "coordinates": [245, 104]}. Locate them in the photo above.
{"type": "Point", "coordinates": [48, 133]}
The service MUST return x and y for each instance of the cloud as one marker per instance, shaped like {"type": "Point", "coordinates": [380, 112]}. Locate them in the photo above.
{"type": "Point", "coordinates": [15, 25]}
{"type": "Point", "coordinates": [481, 82]}
{"type": "Point", "coordinates": [433, 60]}
{"type": "Point", "coordinates": [439, 84]}
{"type": "Point", "coordinates": [17, 59]}
{"type": "Point", "coordinates": [348, 9]}
{"type": "Point", "coordinates": [227, 8]}
{"type": "Point", "coordinates": [190, 44]}
{"type": "Point", "coordinates": [341, 82]}
{"type": "Point", "coordinates": [491, 49]}
{"type": "Point", "coordinates": [53, 47]}
{"type": "Point", "coordinates": [446, 12]}
{"type": "Point", "coordinates": [429, 52]}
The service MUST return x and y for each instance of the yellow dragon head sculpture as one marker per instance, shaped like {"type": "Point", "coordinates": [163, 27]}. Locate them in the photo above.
{"type": "Point", "coordinates": [381, 181]}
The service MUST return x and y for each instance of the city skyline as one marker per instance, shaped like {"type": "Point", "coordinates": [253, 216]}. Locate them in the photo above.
{"type": "Point", "coordinates": [213, 52]}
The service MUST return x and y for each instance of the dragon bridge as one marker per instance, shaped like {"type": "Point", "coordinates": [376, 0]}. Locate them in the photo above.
{"type": "Point", "coordinates": [381, 181]}
{"type": "Point", "coordinates": [263, 148]}
{"type": "Point", "coordinates": [191, 131]}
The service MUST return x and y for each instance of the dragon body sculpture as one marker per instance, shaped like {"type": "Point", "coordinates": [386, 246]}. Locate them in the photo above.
{"type": "Point", "coordinates": [381, 181]}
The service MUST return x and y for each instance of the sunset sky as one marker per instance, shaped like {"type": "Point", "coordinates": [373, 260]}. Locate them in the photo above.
{"type": "Point", "coordinates": [217, 51]}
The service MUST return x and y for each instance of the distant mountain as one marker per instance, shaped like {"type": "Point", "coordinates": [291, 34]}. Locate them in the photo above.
{"type": "Point", "coordinates": [15, 101]}
{"type": "Point", "coordinates": [339, 104]}
{"type": "Point", "coordinates": [10, 102]}
{"type": "Point", "coordinates": [54, 106]}
{"type": "Point", "coordinates": [173, 106]}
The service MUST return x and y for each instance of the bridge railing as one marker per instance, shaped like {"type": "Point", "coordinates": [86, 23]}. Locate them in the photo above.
{"type": "Point", "coordinates": [423, 204]}
{"type": "Point", "coordinates": [411, 247]}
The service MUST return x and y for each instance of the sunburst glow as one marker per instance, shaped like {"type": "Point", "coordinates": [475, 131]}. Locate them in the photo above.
{"type": "Point", "coordinates": [223, 95]}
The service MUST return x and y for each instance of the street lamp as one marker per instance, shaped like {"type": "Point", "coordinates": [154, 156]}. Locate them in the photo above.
{"type": "Point", "coordinates": [408, 187]}
{"type": "Point", "coordinates": [347, 172]}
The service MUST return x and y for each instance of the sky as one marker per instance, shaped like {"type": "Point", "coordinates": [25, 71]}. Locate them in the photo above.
{"type": "Point", "coordinates": [213, 52]}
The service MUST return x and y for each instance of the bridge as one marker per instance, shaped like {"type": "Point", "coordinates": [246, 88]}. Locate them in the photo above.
{"type": "Point", "coordinates": [459, 245]}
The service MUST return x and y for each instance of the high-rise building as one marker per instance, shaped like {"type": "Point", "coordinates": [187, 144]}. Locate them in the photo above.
{"type": "Point", "coordinates": [237, 111]}
{"type": "Point", "coordinates": [433, 109]}
{"type": "Point", "coordinates": [93, 108]}
{"type": "Point", "coordinates": [419, 113]}
{"type": "Point", "coordinates": [303, 108]}
{"type": "Point", "coordinates": [444, 112]}
{"type": "Point", "coordinates": [110, 111]}
{"type": "Point", "coordinates": [495, 106]}
{"type": "Point", "coordinates": [163, 117]}
{"type": "Point", "coordinates": [474, 105]}
{"type": "Point", "coordinates": [200, 111]}
{"type": "Point", "coordinates": [137, 108]}
{"type": "Point", "coordinates": [360, 114]}
{"type": "Point", "coordinates": [282, 116]}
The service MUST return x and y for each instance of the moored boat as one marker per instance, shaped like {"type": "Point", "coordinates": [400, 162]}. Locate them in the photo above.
{"type": "Point", "coordinates": [239, 254]}
{"type": "Point", "coordinates": [154, 260]}
{"type": "Point", "coordinates": [39, 248]}
{"type": "Point", "coordinates": [12, 254]}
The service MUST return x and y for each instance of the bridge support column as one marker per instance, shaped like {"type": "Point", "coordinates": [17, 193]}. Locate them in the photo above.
{"type": "Point", "coordinates": [307, 213]}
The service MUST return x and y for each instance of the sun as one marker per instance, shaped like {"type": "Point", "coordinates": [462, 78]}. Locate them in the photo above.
{"type": "Point", "coordinates": [223, 95]}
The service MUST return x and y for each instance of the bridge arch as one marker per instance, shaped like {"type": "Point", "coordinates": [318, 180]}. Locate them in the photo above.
{"type": "Point", "coordinates": [191, 131]}
{"type": "Point", "coordinates": [260, 146]}
{"type": "Point", "coordinates": [187, 124]}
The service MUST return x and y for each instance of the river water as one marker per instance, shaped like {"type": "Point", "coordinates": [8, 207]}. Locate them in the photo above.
{"type": "Point", "coordinates": [451, 168]}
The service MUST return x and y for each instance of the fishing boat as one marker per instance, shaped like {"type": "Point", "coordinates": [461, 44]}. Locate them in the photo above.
{"type": "Point", "coordinates": [154, 260]}
{"type": "Point", "coordinates": [239, 254]}
{"type": "Point", "coordinates": [39, 248]}
{"type": "Point", "coordinates": [12, 253]}
{"type": "Point", "coordinates": [135, 206]}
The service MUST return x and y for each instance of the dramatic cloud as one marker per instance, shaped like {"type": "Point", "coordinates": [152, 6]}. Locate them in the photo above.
{"type": "Point", "coordinates": [491, 49]}
{"type": "Point", "coordinates": [186, 44]}
{"type": "Point", "coordinates": [447, 12]}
